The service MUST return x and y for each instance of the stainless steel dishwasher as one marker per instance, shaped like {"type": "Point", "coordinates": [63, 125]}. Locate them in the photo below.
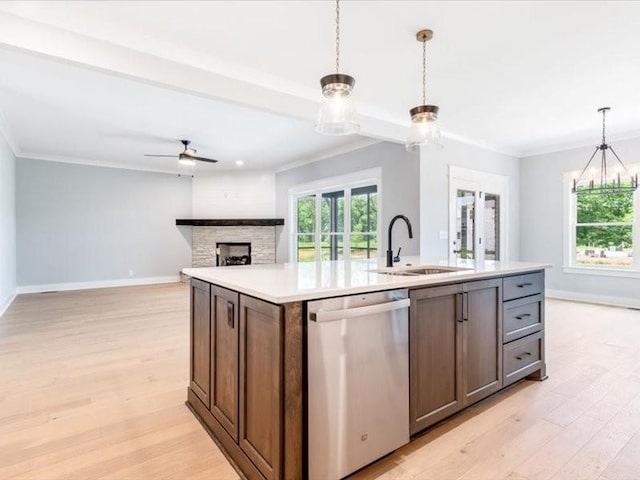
{"type": "Point", "coordinates": [358, 381]}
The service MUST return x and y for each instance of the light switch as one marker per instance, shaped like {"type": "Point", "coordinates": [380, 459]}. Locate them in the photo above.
{"type": "Point", "coordinates": [444, 235]}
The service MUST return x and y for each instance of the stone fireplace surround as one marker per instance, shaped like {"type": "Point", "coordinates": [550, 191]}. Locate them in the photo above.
{"type": "Point", "coordinates": [206, 233]}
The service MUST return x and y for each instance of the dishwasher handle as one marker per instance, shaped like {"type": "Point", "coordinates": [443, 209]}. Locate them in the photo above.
{"type": "Point", "coordinates": [331, 315]}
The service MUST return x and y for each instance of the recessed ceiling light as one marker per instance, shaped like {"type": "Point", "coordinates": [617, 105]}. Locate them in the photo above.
{"type": "Point", "coordinates": [239, 163]}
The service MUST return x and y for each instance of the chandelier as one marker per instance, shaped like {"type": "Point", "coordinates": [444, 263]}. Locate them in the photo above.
{"type": "Point", "coordinates": [610, 179]}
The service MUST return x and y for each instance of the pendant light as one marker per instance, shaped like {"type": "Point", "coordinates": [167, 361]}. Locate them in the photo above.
{"type": "Point", "coordinates": [609, 180]}
{"type": "Point", "coordinates": [424, 131]}
{"type": "Point", "coordinates": [337, 114]}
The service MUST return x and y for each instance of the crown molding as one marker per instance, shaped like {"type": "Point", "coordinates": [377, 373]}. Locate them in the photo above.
{"type": "Point", "coordinates": [95, 163]}
{"type": "Point", "coordinates": [362, 143]}
{"type": "Point", "coordinates": [593, 142]}
{"type": "Point", "coordinates": [7, 134]}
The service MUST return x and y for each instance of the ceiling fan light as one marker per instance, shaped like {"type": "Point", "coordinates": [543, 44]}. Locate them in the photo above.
{"type": "Point", "coordinates": [190, 151]}
{"type": "Point", "coordinates": [187, 162]}
{"type": "Point", "coordinates": [424, 130]}
{"type": "Point", "coordinates": [337, 113]}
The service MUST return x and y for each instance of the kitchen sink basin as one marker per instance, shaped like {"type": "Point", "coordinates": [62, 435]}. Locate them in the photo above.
{"type": "Point", "coordinates": [417, 271]}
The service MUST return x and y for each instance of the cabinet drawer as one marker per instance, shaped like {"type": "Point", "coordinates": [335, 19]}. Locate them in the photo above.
{"type": "Point", "coordinates": [522, 317]}
{"type": "Point", "coordinates": [523, 285]}
{"type": "Point", "coordinates": [522, 357]}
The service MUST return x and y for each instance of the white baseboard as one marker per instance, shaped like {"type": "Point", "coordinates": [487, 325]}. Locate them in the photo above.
{"type": "Point", "coordinates": [591, 298]}
{"type": "Point", "coordinates": [125, 282]}
{"type": "Point", "coordinates": [6, 303]}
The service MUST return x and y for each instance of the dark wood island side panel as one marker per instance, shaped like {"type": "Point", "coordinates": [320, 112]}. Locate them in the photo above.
{"type": "Point", "coordinates": [251, 398]}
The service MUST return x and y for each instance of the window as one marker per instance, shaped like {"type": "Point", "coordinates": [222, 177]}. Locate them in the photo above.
{"type": "Point", "coordinates": [335, 223]}
{"type": "Point", "coordinates": [603, 230]}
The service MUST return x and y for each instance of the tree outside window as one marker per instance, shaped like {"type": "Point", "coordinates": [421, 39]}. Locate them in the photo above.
{"type": "Point", "coordinates": [604, 229]}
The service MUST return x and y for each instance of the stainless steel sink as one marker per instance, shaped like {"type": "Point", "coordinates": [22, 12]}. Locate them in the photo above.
{"type": "Point", "coordinates": [417, 271]}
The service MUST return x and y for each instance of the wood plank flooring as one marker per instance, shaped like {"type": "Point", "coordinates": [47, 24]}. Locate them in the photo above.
{"type": "Point", "coordinates": [93, 383]}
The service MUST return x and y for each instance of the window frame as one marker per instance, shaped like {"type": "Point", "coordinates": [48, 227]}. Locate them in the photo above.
{"type": "Point", "coordinates": [570, 223]}
{"type": "Point", "coordinates": [346, 183]}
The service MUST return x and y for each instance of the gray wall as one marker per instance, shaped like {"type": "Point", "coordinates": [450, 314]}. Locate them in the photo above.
{"type": "Point", "coordinates": [543, 226]}
{"type": "Point", "coordinates": [78, 223]}
{"type": "Point", "coordinates": [7, 224]}
{"type": "Point", "coordinates": [400, 189]}
{"type": "Point", "coordinates": [434, 173]}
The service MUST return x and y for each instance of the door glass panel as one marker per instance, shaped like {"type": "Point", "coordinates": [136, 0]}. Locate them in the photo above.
{"type": "Point", "coordinates": [491, 226]}
{"type": "Point", "coordinates": [465, 224]}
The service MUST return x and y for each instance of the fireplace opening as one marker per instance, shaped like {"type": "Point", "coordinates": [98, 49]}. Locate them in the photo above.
{"type": "Point", "coordinates": [233, 253]}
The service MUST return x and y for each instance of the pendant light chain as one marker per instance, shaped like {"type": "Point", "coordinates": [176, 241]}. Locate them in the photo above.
{"type": "Point", "coordinates": [424, 72]}
{"type": "Point", "coordinates": [337, 36]}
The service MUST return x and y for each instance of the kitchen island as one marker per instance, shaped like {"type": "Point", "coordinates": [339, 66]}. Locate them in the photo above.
{"type": "Point", "coordinates": [286, 400]}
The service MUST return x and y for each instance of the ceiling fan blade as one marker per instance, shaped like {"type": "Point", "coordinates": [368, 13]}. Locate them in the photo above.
{"type": "Point", "coordinates": [202, 159]}
{"type": "Point", "coordinates": [164, 156]}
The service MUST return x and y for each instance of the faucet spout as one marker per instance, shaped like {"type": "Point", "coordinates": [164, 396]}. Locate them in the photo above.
{"type": "Point", "coordinates": [390, 231]}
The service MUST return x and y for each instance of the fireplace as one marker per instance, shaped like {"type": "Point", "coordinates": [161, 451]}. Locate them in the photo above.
{"type": "Point", "coordinates": [233, 253]}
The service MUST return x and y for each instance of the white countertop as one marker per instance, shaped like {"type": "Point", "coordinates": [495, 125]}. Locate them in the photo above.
{"type": "Point", "coordinates": [292, 282]}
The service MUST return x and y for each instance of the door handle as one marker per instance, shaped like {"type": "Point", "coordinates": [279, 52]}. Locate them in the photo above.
{"type": "Point", "coordinates": [330, 315]}
{"type": "Point", "coordinates": [230, 320]}
{"type": "Point", "coordinates": [459, 307]}
{"type": "Point", "coordinates": [465, 306]}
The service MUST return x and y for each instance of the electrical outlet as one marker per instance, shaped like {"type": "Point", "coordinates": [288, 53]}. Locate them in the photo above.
{"type": "Point", "coordinates": [131, 273]}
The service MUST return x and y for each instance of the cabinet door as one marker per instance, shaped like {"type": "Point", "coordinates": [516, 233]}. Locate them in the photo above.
{"type": "Point", "coordinates": [482, 339]}
{"type": "Point", "coordinates": [200, 339]}
{"type": "Point", "coordinates": [435, 355]}
{"type": "Point", "coordinates": [261, 391]}
{"type": "Point", "coordinates": [224, 358]}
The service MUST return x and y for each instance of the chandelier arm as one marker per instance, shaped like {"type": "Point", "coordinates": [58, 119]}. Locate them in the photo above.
{"type": "Point", "coordinates": [619, 161]}
{"type": "Point", "coordinates": [587, 165]}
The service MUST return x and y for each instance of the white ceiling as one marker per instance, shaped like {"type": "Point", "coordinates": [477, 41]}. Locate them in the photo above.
{"type": "Point", "coordinates": [517, 77]}
{"type": "Point", "coordinates": [63, 112]}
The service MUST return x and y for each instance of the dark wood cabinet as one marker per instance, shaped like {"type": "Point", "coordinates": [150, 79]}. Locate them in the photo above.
{"type": "Point", "coordinates": [435, 355]}
{"type": "Point", "coordinates": [482, 339]}
{"type": "Point", "coordinates": [200, 340]}
{"type": "Point", "coordinates": [224, 358]}
{"type": "Point", "coordinates": [455, 349]}
{"type": "Point", "coordinates": [261, 385]}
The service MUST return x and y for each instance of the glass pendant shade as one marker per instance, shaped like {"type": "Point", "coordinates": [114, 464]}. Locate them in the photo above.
{"type": "Point", "coordinates": [424, 130]}
{"type": "Point", "coordinates": [337, 113]}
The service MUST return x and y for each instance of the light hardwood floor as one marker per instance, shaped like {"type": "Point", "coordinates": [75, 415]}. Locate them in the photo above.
{"type": "Point", "coordinates": [93, 385]}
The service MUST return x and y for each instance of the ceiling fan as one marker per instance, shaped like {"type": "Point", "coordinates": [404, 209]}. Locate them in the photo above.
{"type": "Point", "coordinates": [186, 157]}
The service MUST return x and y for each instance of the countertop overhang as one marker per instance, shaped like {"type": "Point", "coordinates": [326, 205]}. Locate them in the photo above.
{"type": "Point", "coordinates": [292, 282]}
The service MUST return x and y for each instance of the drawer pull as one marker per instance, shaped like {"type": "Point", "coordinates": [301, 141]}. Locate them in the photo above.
{"type": "Point", "coordinates": [523, 316]}
{"type": "Point", "coordinates": [527, 284]}
{"type": "Point", "coordinates": [522, 355]}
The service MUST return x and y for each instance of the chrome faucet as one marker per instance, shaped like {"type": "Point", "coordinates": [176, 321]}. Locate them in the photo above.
{"type": "Point", "coordinates": [390, 257]}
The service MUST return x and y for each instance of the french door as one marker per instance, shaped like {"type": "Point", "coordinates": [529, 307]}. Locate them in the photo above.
{"type": "Point", "coordinates": [477, 215]}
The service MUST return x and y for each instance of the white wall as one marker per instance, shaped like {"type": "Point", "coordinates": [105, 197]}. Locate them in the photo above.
{"type": "Point", "coordinates": [81, 225]}
{"type": "Point", "coordinates": [542, 211]}
{"type": "Point", "coordinates": [7, 225]}
{"type": "Point", "coordinates": [434, 192]}
{"type": "Point", "coordinates": [400, 189]}
{"type": "Point", "coordinates": [234, 195]}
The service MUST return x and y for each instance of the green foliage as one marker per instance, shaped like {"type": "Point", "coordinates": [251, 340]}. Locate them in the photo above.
{"type": "Point", "coordinates": [604, 208]}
